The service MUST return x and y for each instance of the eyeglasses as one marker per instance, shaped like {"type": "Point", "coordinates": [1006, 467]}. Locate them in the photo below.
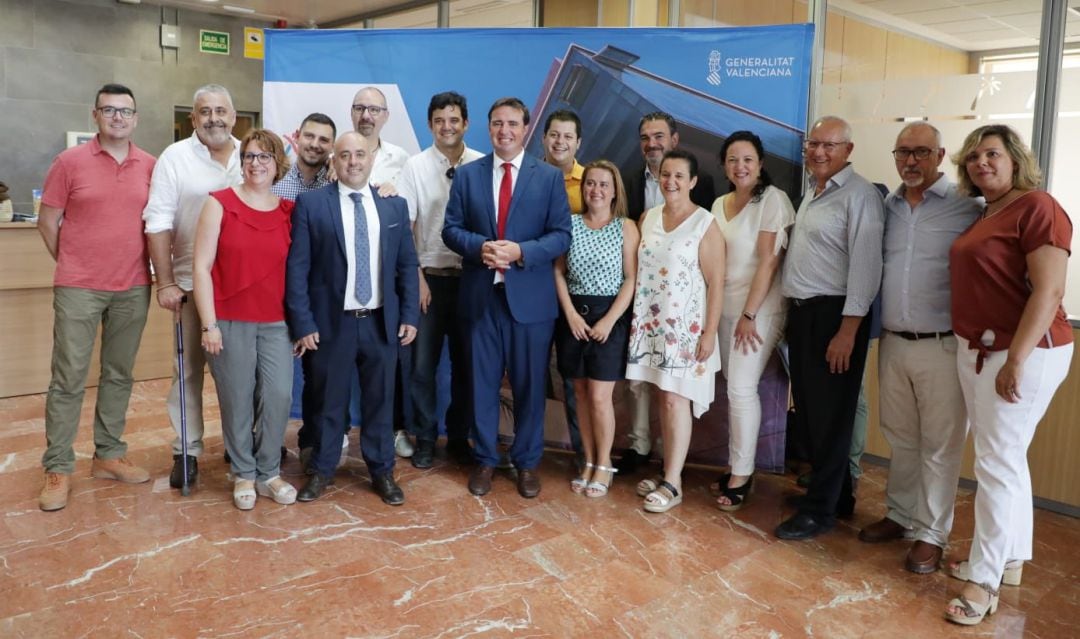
{"type": "Point", "coordinates": [374, 111]}
{"type": "Point", "coordinates": [111, 111]}
{"type": "Point", "coordinates": [920, 153]}
{"type": "Point", "coordinates": [262, 158]}
{"type": "Point", "coordinates": [812, 145]}
{"type": "Point", "coordinates": [450, 172]}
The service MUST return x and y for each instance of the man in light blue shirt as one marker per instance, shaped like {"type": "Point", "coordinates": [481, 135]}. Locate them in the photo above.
{"type": "Point", "coordinates": [922, 409]}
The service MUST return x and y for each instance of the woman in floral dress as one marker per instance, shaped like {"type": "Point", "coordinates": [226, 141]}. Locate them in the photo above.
{"type": "Point", "coordinates": [673, 334]}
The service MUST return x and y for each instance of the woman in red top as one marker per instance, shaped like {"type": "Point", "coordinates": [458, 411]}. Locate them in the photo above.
{"type": "Point", "coordinates": [1008, 278]}
{"type": "Point", "coordinates": [239, 273]}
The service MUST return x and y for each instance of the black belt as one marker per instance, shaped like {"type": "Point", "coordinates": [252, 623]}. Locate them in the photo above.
{"type": "Point", "coordinates": [442, 272]}
{"type": "Point", "coordinates": [917, 336]}
{"type": "Point", "coordinates": [500, 286]}
{"type": "Point", "coordinates": [361, 313]}
{"type": "Point", "coordinates": [810, 301]}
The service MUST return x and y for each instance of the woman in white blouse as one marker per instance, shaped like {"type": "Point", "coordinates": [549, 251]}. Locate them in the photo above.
{"type": "Point", "coordinates": [754, 217]}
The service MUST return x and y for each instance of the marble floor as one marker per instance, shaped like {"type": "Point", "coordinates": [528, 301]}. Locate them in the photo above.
{"type": "Point", "coordinates": [142, 561]}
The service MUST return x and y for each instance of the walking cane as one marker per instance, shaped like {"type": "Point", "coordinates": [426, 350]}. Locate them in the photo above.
{"type": "Point", "coordinates": [185, 489]}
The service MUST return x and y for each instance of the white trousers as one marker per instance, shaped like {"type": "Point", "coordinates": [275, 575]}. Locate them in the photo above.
{"type": "Point", "coordinates": [924, 420]}
{"type": "Point", "coordinates": [194, 364]}
{"type": "Point", "coordinates": [1002, 433]}
{"type": "Point", "coordinates": [743, 374]}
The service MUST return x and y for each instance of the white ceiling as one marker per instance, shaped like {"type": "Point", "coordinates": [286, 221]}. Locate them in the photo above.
{"type": "Point", "coordinates": [968, 25]}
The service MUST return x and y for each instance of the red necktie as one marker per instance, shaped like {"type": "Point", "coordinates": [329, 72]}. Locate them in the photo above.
{"type": "Point", "coordinates": [505, 187]}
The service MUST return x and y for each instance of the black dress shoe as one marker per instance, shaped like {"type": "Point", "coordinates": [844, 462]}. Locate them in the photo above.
{"type": "Point", "coordinates": [387, 488]}
{"type": "Point", "coordinates": [176, 477]}
{"type": "Point", "coordinates": [802, 526]}
{"type": "Point", "coordinates": [480, 480]}
{"type": "Point", "coordinates": [630, 460]}
{"type": "Point", "coordinates": [459, 451]}
{"type": "Point", "coordinates": [424, 454]}
{"type": "Point", "coordinates": [528, 483]}
{"type": "Point", "coordinates": [314, 488]}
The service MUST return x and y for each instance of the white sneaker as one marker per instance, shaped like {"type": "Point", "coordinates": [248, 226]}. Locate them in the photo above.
{"type": "Point", "coordinates": [402, 445]}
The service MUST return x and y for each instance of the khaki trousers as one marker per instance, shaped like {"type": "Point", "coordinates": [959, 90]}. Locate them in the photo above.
{"type": "Point", "coordinates": [924, 420]}
{"type": "Point", "coordinates": [78, 314]}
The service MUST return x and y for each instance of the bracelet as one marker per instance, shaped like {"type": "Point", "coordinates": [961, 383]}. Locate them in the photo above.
{"type": "Point", "coordinates": [209, 327]}
{"type": "Point", "coordinates": [162, 288]}
{"type": "Point", "coordinates": [748, 315]}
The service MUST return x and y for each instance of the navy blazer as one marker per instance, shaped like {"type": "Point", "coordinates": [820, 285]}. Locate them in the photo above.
{"type": "Point", "coordinates": [317, 267]}
{"type": "Point", "coordinates": [539, 221]}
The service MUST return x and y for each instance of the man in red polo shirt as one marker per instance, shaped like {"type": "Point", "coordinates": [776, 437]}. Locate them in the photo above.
{"type": "Point", "coordinates": [91, 221]}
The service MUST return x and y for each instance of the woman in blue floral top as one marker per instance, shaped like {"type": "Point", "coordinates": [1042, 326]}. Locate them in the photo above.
{"type": "Point", "coordinates": [673, 333]}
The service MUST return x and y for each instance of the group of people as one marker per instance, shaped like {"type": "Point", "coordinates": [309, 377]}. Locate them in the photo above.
{"type": "Point", "coordinates": [362, 261]}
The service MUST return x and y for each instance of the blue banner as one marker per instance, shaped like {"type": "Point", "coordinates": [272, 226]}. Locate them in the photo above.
{"type": "Point", "coordinates": [713, 81]}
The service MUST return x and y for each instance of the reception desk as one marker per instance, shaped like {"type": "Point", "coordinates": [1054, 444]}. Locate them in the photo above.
{"type": "Point", "coordinates": [26, 315]}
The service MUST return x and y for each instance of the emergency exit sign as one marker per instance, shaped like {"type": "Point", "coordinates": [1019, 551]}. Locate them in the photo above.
{"type": "Point", "coordinates": [216, 42]}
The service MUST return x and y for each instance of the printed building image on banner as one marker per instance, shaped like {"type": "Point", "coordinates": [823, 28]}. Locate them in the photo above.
{"type": "Point", "coordinates": [712, 81]}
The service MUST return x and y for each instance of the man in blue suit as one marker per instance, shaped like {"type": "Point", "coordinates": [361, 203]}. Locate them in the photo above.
{"type": "Point", "coordinates": [508, 218]}
{"type": "Point", "coordinates": [351, 287]}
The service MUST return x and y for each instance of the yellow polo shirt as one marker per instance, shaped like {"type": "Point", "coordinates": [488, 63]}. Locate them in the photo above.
{"type": "Point", "coordinates": [573, 188]}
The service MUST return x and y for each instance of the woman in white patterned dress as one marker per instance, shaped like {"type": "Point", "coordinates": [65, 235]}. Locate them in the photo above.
{"type": "Point", "coordinates": [673, 334]}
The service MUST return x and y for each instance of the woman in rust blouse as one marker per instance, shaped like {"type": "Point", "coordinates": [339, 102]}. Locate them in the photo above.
{"type": "Point", "coordinates": [1008, 278]}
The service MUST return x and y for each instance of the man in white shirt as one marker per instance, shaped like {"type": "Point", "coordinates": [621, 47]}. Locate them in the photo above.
{"type": "Point", "coordinates": [424, 182]}
{"type": "Point", "coordinates": [184, 176]}
{"type": "Point", "coordinates": [369, 116]}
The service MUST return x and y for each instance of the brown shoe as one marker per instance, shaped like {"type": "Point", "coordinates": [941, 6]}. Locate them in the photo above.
{"type": "Point", "coordinates": [882, 530]}
{"type": "Point", "coordinates": [54, 494]}
{"type": "Point", "coordinates": [119, 469]}
{"type": "Point", "coordinates": [528, 483]}
{"type": "Point", "coordinates": [923, 558]}
{"type": "Point", "coordinates": [480, 480]}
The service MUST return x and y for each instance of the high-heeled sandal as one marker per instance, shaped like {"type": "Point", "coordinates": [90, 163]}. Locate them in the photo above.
{"type": "Point", "coordinates": [737, 496]}
{"type": "Point", "coordinates": [1012, 575]}
{"type": "Point", "coordinates": [578, 484]}
{"type": "Point", "coordinates": [598, 488]}
{"type": "Point", "coordinates": [972, 612]}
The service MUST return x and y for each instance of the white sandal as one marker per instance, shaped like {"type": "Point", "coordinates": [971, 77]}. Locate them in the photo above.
{"type": "Point", "coordinates": [243, 494]}
{"type": "Point", "coordinates": [277, 489]}
{"type": "Point", "coordinates": [972, 612]}
{"type": "Point", "coordinates": [646, 486]}
{"type": "Point", "coordinates": [578, 484]}
{"type": "Point", "coordinates": [663, 499]}
{"type": "Point", "coordinates": [1013, 574]}
{"type": "Point", "coordinates": [599, 488]}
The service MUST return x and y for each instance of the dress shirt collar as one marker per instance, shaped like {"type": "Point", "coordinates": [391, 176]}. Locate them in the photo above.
{"type": "Point", "coordinates": [203, 151]}
{"type": "Point", "coordinates": [320, 175]}
{"type": "Point", "coordinates": [649, 177]}
{"type": "Point", "coordinates": [441, 158]}
{"type": "Point", "coordinates": [939, 189]}
{"type": "Point", "coordinates": [516, 161]}
{"type": "Point", "coordinates": [839, 179]}
{"type": "Point", "coordinates": [364, 191]}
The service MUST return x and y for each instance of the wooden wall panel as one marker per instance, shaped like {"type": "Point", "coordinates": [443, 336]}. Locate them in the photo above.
{"type": "Point", "coordinates": [615, 13]}
{"type": "Point", "coordinates": [864, 52]}
{"type": "Point", "coordinates": [570, 13]}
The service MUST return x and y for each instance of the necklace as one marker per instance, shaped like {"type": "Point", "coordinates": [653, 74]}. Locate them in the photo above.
{"type": "Point", "coordinates": [1000, 197]}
